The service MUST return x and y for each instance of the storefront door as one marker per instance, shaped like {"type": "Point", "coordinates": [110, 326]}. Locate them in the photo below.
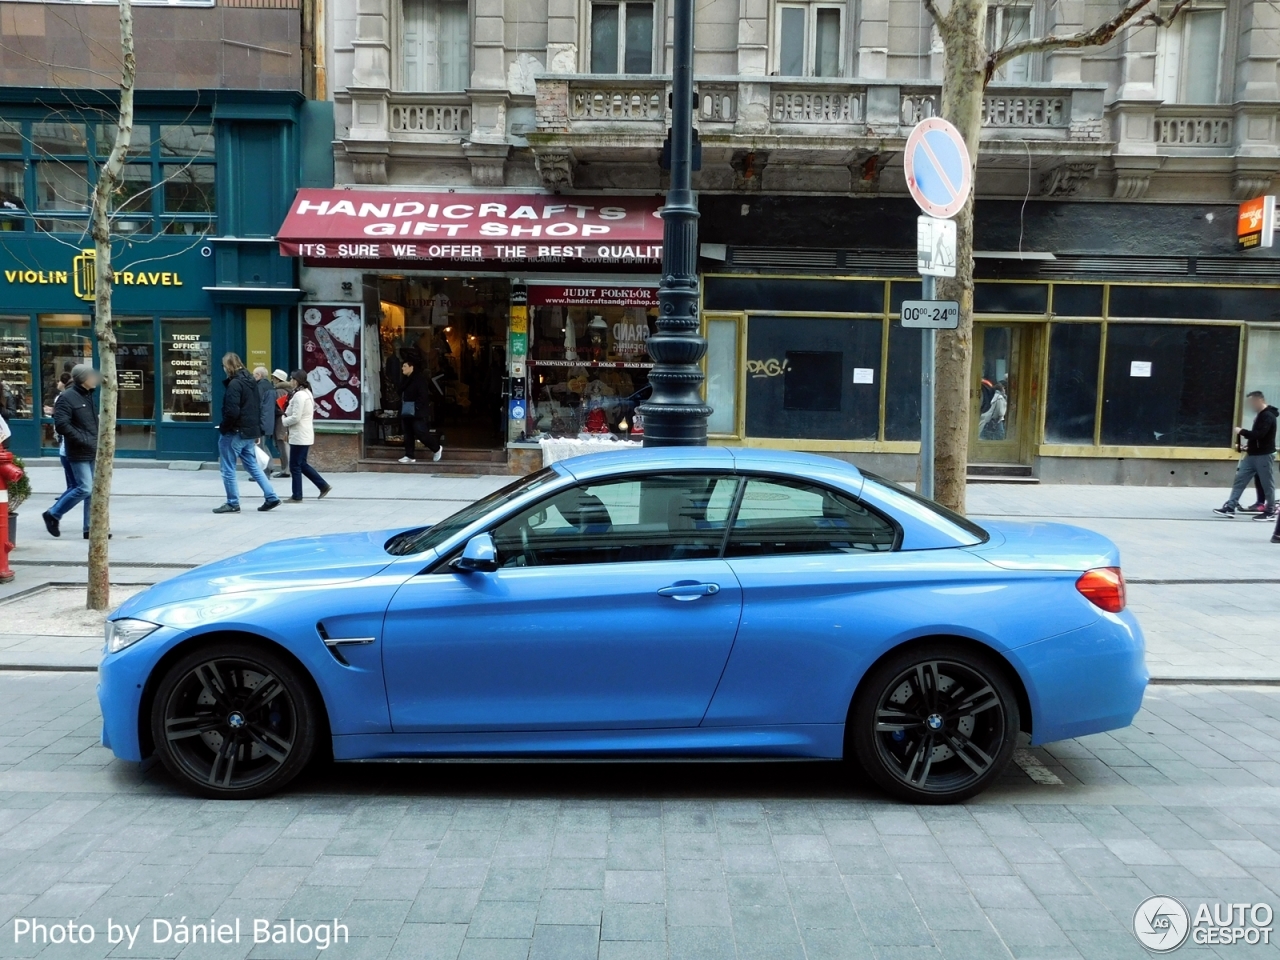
{"type": "Point", "coordinates": [1001, 401]}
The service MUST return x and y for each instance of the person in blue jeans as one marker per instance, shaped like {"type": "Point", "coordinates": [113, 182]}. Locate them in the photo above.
{"type": "Point", "coordinates": [75, 419]}
{"type": "Point", "coordinates": [299, 418]}
{"type": "Point", "coordinates": [239, 430]}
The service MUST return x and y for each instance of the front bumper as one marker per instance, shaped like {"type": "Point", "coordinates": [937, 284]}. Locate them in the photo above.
{"type": "Point", "coordinates": [1086, 680]}
{"type": "Point", "coordinates": [121, 678]}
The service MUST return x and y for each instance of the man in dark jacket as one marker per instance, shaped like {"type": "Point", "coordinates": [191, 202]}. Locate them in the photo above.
{"type": "Point", "coordinates": [1258, 460]}
{"type": "Point", "coordinates": [240, 429]}
{"type": "Point", "coordinates": [75, 418]}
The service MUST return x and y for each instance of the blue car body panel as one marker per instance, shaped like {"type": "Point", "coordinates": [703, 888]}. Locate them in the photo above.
{"type": "Point", "coordinates": [591, 661]}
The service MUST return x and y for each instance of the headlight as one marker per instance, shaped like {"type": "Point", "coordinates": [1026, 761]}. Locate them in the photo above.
{"type": "Point", "coordinates": [125, 633]}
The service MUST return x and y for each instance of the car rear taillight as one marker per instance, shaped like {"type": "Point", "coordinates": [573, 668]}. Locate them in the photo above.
{"type": "Point", "coordinates": [1103, 587]}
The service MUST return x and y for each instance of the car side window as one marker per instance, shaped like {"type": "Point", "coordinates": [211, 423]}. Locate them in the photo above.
{"type": "Point", "coordinates": [624, 520]}
{"type": "Point", "coordinates": [780, 517]}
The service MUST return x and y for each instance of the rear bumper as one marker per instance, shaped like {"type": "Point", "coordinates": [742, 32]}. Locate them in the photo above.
{"type": "Point", "coordinates": [1086, 680]}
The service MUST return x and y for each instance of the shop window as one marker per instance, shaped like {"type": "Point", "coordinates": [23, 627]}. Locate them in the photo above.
{"type": "Point", "coordinates": [722, 377]}
{"type": "Point", "coordinates": [16, 384]}
{"type": "Point", "coordinates": [679, 517]}
{"type": "Point", "coordinates": [1262, 363]}
{"type": "Point", "coordinates": [186, 371]}
{"type": "Point", "coordinates": [780, 517]}
{"type": "Point", "coordinates": [1010, 298]}
{"type": "Point", "coordinates": [902, 389]}
{"type": "Point", "coordinates": [1072, 395]}
{"type": "Point", "coordinates": [436, 46]}
{"type": "Point", "coordinates": [1189, 56]}
{"type": "Point", "coordinates": [622, 38]}
{"type": "Point", "coordinates": [65, 157]}
{"type": "Point", "coordinates": [65, 340]}
{"type": "Point", "coordinates": [136, 382]}
{"type": "Point", "coordinates": [1170, 385]}
{"type": "Point", "coordinates": [1007, 24]}
{"type": "Point", "coordinates": [1077, 299]}
{"type": "Point", "coordinates": [1194, 303]}
{"type": "Point", "coordinates": [810, 378]}
{"type": "Point", "coordinates": [809, 40]}
{"type": "Point", "coordinates": [588, 362]}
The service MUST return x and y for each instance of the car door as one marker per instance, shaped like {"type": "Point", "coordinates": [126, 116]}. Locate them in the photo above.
{"type": "Point", "coordinates": [823, 590]}
{"type": "Point", "coordinates": [610, 608]}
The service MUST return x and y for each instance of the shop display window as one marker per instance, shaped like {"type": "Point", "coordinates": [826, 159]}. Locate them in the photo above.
{"type": "Point", "coordinates": [15, 368]}
{"type": "Point", "coordinates": [1072, 395]}
{"type": "Point", "coordinates": [135, 382]}
{"type": "Point", "coordinates": [722, 376]}
{"type": "Point", "coordinates": [65, 340]}
{"type": "Point", "coordinates": [1027, 298]}
{"type": "Point", "coordinates": [1170, 384]}
{"type": "Point", "coordinates": [588, 365]}
{"type": "Point", "coordinates": [1077, 299]}
{"type": "Point", "coordinates": [818, 296]}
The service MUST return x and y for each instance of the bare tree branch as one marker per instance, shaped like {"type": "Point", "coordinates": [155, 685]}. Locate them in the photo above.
{"type": "Point", "coordinates": [932, 7]}
{"type": "Point", "coordinates": [1102, 34]}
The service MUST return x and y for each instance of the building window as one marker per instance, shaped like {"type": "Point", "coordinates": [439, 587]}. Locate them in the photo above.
{"type": "Point", "coordinates": [622, 38]}
{"type": "Point", "coordinates": [437, 46]}
{"type": "Point", "coordinates": [809, 40]}
{"type": "Point", "coordinates": [1008, 24]}
{"type": "Point", "coordinates": [48, 170]}
{"type": "Point", "coordinates": [1190, 57]}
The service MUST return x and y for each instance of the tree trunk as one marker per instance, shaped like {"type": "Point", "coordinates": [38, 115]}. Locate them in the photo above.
{"type": "Point", "coordinates": [964, 52]}
{"type": "Point", "coordinates": [99, 594]}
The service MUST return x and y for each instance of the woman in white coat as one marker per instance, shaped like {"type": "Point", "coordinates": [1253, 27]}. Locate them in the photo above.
{"type": "Point", "coordinates": [298, 419]}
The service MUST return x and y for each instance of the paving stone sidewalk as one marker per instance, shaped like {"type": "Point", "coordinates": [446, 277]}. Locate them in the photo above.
{"type": "Point", "coordinates": [682, 861]}
{"type": "Point", "coordinates": [1187, 568]}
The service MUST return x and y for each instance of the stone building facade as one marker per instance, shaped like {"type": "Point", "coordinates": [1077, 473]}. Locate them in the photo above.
{"type": "Point", "coordinates": [1116, 170]}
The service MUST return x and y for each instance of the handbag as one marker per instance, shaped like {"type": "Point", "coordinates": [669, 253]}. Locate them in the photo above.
{"type": "Point", "coordinates": [263, 458]}
{"type": "Point", "coordinates": [408, 408]}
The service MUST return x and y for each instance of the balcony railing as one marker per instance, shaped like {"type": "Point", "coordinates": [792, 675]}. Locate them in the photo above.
{"type": "Point", "coordinates": [801, 106]}
{"type": "Point", "coordinates": [1196, 129]}
{"type": "Point", "coordinates": [446, 115]}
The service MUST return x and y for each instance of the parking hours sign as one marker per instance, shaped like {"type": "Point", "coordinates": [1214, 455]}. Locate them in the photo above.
{"type": "Point", "coordinates": [937, 168]}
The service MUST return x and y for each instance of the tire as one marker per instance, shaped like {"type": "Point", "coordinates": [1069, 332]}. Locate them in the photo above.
{"type": "Point", "coordinates": [217, 732]}
{"type": "Point", "coordinates": [934, 723]}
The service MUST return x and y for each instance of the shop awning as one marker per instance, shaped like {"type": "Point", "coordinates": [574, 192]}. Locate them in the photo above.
{"type": "Point", "coordinates": [408, 228]}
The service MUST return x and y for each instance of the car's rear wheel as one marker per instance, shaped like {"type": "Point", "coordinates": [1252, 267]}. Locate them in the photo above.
{"type": "Point", "coordinates": [232, 720]}
{"type": "Point", "coordinates": [935, 723]}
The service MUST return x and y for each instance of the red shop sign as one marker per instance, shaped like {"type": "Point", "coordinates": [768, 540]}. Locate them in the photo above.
{"type": "Point", "coordinates": [588, 295]}
{"type": "Point", "coordinates": [373, 226]}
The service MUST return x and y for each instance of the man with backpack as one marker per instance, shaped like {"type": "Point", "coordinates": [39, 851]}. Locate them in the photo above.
{"type": "Point", "coordinates": [243, 413]}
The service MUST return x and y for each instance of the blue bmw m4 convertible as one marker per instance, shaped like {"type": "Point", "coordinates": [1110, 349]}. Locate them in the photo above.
{"type": "Point", "coordinates": [668, 602]}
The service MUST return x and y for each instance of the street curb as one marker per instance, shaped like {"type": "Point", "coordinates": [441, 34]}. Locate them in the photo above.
{"type": "Point", "coordinates": [47, 668]}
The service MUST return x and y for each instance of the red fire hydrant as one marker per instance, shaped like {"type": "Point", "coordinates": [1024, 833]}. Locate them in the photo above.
{"type": "Point", "coordinates": [10, 473]}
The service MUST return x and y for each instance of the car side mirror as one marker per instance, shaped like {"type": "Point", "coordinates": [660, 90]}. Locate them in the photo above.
{"type": "Point", "coordinates": [478, 555]}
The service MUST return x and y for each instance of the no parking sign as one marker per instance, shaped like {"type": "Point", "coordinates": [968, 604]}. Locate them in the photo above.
{"type": "Point", "coordinates": [937, 167]}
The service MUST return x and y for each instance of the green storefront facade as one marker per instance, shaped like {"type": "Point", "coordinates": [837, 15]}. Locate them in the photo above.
{"type": "Point", "coordinates": [197, 269]}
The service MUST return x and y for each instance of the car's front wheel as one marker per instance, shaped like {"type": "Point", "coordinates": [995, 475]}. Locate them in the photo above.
{"type": "Point", "coordinates": [935, 723]}
{"type": "Point", "coordinates": [232, 720]}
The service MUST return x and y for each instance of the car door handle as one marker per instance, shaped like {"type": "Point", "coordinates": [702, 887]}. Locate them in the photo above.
{"type": "Point", "coordinates": [689, 591]}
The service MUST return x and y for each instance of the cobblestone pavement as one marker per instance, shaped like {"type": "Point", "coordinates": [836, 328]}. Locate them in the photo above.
{"type": "Point", "coordinates": [706, 861]}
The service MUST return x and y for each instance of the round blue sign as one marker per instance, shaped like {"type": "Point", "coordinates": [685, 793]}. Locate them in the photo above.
{"type": "Point", "coordinates": [937, 167]}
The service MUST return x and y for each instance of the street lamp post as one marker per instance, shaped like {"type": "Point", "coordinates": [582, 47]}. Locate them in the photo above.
{"type": "Point", "coordinates": [675, 415]}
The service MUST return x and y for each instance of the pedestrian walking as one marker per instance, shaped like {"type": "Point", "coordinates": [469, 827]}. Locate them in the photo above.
{"type": "Point", "coordinates": [239, 431]}
{"type": "Point", "coordinates": [299, 418]}
{"type": "Point", "coordinates": [75, 420]}
{"type": "Point", "coordinates": [280, 380]}
{"type": "Point", "coordinates": [415, 412]}
{"type": "Point", "coordinates": [267, 397]}
{"type": "Point", "coordinates": [1258, 460]}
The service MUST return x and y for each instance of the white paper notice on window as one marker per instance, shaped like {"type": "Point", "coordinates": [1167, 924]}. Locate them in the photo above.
{"type": "Point", "coordinates": [1140, 368]}
{"type": "Point", "coordinates": [864, 375]}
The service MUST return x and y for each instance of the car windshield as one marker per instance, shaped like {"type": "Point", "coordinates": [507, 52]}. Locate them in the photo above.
{"type": "Point", "coordinates": [961, 521]}
{"type": "Point", "coordinates": [418, 541]}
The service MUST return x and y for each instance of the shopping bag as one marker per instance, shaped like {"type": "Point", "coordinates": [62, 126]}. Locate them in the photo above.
{"type": "Point", "coordinates": [264, 458]}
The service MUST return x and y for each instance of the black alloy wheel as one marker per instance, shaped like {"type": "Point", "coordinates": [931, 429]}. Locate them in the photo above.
{"type": "Point", "coordinates": [935, 724]}
{"type": "Point", "coordinates": [233, 721]}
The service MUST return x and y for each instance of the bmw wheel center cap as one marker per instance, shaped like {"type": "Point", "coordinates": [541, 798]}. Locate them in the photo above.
{"type": "Point", "coordinates": [235, 720]}
{"type": "Point", "coordinates": [934, 721]}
